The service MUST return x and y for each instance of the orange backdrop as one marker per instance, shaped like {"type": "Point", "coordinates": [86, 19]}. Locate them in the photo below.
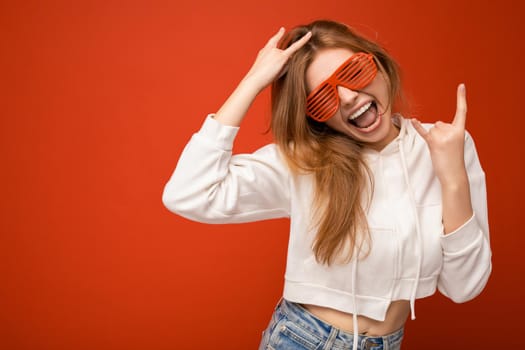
{"type": "Point", "coordinates": [97, 101]}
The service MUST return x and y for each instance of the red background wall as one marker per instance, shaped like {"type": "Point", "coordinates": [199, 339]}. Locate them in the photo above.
{"type": "Point", "coordinates": [97, 101]}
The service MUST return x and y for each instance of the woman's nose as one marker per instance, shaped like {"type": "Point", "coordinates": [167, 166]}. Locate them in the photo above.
{"type": "Point", "coordinates": [346, 95]}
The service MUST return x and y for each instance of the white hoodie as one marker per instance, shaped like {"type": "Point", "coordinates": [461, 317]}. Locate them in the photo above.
{"type": "Point", "coordinates": [409, 254]}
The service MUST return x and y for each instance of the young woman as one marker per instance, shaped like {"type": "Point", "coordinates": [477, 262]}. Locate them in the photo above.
{"type": "Point", "coordinates": [383, 210]}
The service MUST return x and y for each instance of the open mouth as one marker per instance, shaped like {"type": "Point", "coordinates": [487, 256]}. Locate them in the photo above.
{"type": "Point", "coordinates": [365, 116]}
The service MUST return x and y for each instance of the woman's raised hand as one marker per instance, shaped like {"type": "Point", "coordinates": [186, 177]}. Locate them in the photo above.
{"type": "Point", "coordinates": [446, 143]}
{"type": "Point", "coordinates": [271, 61]}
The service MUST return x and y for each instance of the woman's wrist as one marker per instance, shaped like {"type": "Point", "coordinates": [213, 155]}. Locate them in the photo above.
{"type": "Point", "coordinates": [455, 182]}
{"type": "Point", "coordinates": [251, 83]}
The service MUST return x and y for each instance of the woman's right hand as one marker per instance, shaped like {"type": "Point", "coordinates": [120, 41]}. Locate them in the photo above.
{"type": "Point", "coordinates": [271, 61]}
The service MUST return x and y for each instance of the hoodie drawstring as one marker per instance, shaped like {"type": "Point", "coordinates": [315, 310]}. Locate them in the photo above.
{"type": "Point", "coordinates": [354, 299]}
{"type": "Point", "coordinates": [418, 231]}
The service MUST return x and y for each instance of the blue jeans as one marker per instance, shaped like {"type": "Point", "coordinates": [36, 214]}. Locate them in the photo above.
{"type": "Point", "coordinates": [292, 327]}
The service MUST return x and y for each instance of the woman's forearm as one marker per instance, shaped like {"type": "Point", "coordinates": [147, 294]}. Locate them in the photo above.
{"type": "Point", "coordinates": [234, 109]}
{"type": "Point", "coordinates": [457, 205]}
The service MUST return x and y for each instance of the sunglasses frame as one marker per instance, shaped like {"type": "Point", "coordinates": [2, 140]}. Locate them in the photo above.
{"type": "Point", "coordinates": [355, 73]}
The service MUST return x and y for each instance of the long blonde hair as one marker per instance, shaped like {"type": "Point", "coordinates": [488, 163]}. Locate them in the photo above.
{"type": "Point", "coordinates": [341, 177]}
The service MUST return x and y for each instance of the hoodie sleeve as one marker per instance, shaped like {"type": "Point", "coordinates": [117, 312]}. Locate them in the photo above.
{"type": "Point", "coordinates": [466, 251]}
{"type": "Point", "coordinates": [212, 186]}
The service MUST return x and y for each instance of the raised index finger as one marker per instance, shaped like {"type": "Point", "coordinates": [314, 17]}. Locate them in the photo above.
{"type": "Point", "coordinates": [299, 43]}
{"type": "Point", "coordinates": [461, 107]}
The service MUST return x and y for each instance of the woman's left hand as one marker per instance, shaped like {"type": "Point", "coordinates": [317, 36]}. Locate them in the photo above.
{"type": "Point", "coordinates": [446, 143]}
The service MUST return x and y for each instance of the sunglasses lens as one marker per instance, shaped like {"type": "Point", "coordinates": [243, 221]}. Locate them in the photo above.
{"type": "Point", "coordinates": [359, 72]}
{"type": "Point", "coordinates": [322, 103]}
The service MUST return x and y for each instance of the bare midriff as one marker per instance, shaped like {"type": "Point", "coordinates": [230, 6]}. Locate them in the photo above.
{"type": "Point", "coordinates": [395, 318]}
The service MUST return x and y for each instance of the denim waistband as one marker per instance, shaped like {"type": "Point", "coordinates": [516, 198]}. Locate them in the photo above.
{"type": "Point", "coordinates": [317, 327]}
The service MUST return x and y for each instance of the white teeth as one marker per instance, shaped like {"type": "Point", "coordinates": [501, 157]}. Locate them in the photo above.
{"type": "Point", "coordinates": [360, 111]}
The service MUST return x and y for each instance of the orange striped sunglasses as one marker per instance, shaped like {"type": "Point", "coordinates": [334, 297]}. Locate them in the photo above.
{"type": "Point", "coordinates": [355, 73]}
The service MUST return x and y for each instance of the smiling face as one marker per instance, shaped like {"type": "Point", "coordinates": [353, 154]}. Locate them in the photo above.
{"type": "Point", "coordinates": [364, 115]}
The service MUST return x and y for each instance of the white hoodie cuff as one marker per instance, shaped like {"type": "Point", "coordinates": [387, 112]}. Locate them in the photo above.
{"type": "Point", "coordinates": [463, 237]}
{"type": "Point", "coordinates": [220, 135]}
